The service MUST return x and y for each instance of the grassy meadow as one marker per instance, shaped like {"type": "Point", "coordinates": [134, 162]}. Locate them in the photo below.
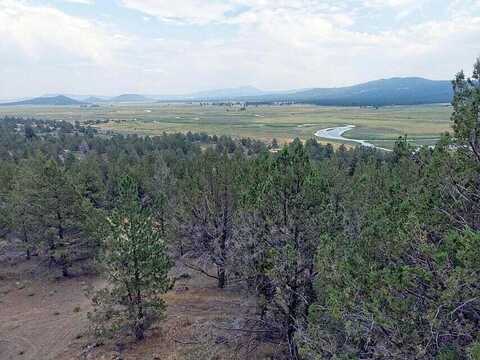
{"type": "Point", "coordinates": [423, 124]}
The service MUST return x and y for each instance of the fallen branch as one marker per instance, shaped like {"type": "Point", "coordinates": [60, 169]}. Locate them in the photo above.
{"type": "Point", "coordinates": [200, 270]}
{"type": "Point", "coordinates": [463, 305]}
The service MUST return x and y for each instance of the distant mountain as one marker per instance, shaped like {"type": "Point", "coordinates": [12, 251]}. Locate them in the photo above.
{"type": "Point", "coordinates": [130, 98]}
{"type": "Point", "coordinates": [49, 101]}
{"type": "Point", "coordinates": [79, 97]}
{"type": "Point", "coordinates": [394, 91]}
{"type": "Point", "coordinates": [225, 94]}
{"type": "Point", "coordinates": [94, 99]}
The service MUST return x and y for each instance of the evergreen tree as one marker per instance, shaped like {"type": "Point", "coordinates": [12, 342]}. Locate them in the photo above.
{"type": "Point", "coordinates": [25, 218]}
{"type": "Point", "coordinates": [210, 196]}
{"type": "Point", "coordinates": [136, 267]}
{"type": "Point", "coordinates": [62, 214]}
{"type": "Point", "coordinates": [466, 110]}
{"type": "Point", "coordinates": [288, 199]}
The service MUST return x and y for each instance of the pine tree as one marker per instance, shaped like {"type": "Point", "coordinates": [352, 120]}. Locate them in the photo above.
{"type": "Point", "coordinates": [136, 266]}
{"type": "Point", "coordinates": [24, 214]}
{"type": "Point", "coordinates": [87, 177]}
{"type": "Point", "coordinates": [62, 215]}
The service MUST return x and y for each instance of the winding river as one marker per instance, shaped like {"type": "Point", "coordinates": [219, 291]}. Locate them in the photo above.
{"type": "Point", "coordinates": [337, 132]}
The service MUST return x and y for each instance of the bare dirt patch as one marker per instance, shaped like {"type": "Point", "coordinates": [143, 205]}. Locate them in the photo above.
{"type": "Point", "coordinates": [40, 317]}
{"type": "Point", "coordinates": [43, 317]}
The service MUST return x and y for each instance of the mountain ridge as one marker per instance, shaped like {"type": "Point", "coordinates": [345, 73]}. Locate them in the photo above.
{"type": "Point", "coordinates": [382, 92]}
{"type": "Point", "coordinates": [392, 91]}
{"type": "Point", "coordinates": [59, 100]}
{"type": "Point", "coordinates": [129, 98]}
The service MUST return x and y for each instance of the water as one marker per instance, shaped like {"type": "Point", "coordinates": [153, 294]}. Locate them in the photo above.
{"type": "Point", "coordinates": [337, 132]}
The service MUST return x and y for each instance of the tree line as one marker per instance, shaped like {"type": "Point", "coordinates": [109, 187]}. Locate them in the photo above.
{"type": "Point", "coordinates": [351, 253]}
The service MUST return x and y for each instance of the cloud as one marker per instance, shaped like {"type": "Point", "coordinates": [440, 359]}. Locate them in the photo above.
{"type": "Point", "coordinates": [44, 48]}
{"type": "Point", "coordinates": [201, 12]}
{"type": "Point", "coordinates": [43, 34]}
{"type": "Point", "coordinates": [391, 3]}
{"type": "Point", "coordinates": [294, 45]}
{"type": "Point", "coordinates": [271, 44]}
{"type": "Point", "coordinates": [190, 11]}
{"type": "Point", "coordinates": [85, 2]}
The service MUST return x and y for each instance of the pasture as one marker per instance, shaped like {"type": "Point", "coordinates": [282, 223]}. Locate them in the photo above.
{"type": "Point", "coordinates": [423, 123]}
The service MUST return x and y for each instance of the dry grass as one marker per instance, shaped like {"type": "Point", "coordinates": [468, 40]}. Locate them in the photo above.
{"type": "Point", "coordinates": [260, 122]}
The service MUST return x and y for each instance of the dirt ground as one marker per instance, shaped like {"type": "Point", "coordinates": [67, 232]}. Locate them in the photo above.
{"type": "Point", "coordinates": [44, 317]}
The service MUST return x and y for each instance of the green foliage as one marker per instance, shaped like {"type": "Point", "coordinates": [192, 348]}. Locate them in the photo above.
{"type": "Point", "coordinates": [210, 198]}
{"type": "Point", "coordinates": [136, 266]}
{"type": "Point", "coordinates": [63, 214]}
{"type": "Point", "coordinates": [474, 351]}
{"type": "Point", "coordinates": [399, 279]}
{"type": "Point", "coordinates": [88, 179]}
{"type": "Point", "coordinates": [283, 229]}
{"type": "Point", "coordinates": [25, 217]}
{"type": "Point", "coordinates": [352, 254]}
{"type": "Point", "coordinates": [466, 115]}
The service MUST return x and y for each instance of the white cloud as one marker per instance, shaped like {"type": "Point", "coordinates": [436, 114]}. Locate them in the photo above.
{"type": "Point", "coordinates": [391, 3]}
{"type": "Point", "coordinates": [44, 34]}
{"type": "Point", "coordinates": [191, 11]}
{"type": "Point", "coordinates": [85, 2]}
{"type": "Point", "coordinates": [44, 48]}
{"type": "Point", "coordinates": [273, 44]}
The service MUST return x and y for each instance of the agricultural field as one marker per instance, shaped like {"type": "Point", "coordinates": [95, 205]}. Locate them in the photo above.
{"type": "Point", "coordinates": [423, 123]}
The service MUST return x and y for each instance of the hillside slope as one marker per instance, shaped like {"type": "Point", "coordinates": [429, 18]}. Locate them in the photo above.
{"type": "Point", "coordinates": [48, 101]}
{"type": "Point", "coordinates": [394, 91]}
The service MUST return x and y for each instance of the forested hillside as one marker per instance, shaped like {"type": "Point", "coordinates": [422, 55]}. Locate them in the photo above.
{"type": "Point", "coordinates": [384, 92]}
{"type": "Point", "coordinates": [349, 253]}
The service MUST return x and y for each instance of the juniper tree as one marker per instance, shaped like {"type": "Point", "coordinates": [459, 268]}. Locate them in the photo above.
{"type": "Point", "coordinates": [210, 201]}
{"type": "Point", "coordinates": [466, 109]}
{"type": "Point", "coordinates": [162, 189]}
{"type": "Point", "coordinates": [398, 279]}
{"type": "Point", "coordinates": [284, 230]}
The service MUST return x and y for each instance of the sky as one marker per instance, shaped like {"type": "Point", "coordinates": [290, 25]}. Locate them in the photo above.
{"type": "Point", "coordinates": [110, 47]}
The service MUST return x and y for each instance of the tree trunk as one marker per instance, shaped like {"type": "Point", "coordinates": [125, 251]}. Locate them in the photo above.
{"type": "Point", "coordinates": [25, 240]}
{"type": "Point", "coordinates": [292, 345]}
{"type": "Point", "coordinates": [162, 222]}
{"type": "Point", "coordinates": [65, 272]}
{"type": "Point", "coordinates": [222, 278]}
{"type": "Point", "coordinates": [64, 264]}
{"type": "Point", "coordinates": [139, 331]}
{"type": "Point", "coordinates": [139, 327]}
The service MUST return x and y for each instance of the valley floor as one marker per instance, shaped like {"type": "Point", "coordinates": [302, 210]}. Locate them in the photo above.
{"type": "Point", "coordinates": [381, 127]}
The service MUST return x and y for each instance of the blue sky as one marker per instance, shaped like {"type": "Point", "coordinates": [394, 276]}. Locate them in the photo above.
{"type": "Point", "coordinates": [169, 47]}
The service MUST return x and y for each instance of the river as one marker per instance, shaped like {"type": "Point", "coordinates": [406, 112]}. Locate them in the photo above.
{"type": "Point", "coordinates": [337, 132]}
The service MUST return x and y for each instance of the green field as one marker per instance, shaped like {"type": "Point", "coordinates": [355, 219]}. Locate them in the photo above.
{"type": "Point", "coordinates": [423, 124]}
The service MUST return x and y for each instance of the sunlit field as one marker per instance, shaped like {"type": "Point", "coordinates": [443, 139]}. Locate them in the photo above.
{"type": "Point", "coordinates": [423, 124]}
